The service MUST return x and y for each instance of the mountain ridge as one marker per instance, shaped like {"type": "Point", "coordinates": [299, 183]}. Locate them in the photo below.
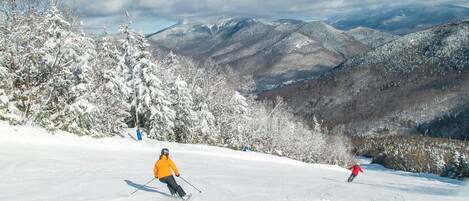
{"type": "Point", "coordinates": [273, 52]}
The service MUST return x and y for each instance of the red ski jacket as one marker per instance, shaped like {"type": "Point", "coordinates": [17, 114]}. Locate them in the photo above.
{"type": "Point", "coordinates": [355, 169]}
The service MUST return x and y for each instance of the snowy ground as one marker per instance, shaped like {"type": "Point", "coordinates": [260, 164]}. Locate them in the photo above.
{"type": "Point", "coordinates": [39, 166]}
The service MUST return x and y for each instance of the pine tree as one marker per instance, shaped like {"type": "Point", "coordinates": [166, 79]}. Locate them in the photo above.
{"type": "Point", "coordinates": [233, 117]}
{"type": "Point", "coordinates": [205, 126]}
{"type": "Point", "coordinates": [194, 121]}
{"type": "Point", "coordinates": [67, 58]}
{"type": "Point", "coordinates": [56, 62]}
{"type": "Point", "coordinates": [82, 114]}
{"type": "Point", "coordinates": [109, 92]}
{"type": "Point", "coordinates": [149, 97]}
{"type": "Point", "coordinates": [185, 116]}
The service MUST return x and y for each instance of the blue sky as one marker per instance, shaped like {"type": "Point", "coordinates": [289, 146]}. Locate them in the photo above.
{"type": "Point", "coordinates": [149, 16]}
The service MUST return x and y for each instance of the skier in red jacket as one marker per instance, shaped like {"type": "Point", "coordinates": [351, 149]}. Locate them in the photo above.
{"type": "Point", "coordinates": [355, 169]}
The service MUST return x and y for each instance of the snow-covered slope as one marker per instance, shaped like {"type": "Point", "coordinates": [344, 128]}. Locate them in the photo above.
{"type": "Point", "coordinates": [35, 166]}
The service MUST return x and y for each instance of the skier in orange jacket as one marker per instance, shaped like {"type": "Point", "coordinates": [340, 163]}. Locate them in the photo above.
{"type": "Point", "coordinates": [163, 171]}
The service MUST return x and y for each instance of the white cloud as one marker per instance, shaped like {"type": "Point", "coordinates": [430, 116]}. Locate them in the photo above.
{"type": "Point", "coordinates": [100, 7]}
{"type": "Point", "coordinates": [395, 19]}
{"type": "Point", "coordinates": [181, 9]}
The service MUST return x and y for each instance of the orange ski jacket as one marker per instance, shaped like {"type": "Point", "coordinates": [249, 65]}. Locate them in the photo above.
{"type": "Point", "coordinates": [163, 167]}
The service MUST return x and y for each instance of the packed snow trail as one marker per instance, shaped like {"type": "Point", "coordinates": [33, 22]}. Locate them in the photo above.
{"type": "Point", "coordinates": [35, 166]}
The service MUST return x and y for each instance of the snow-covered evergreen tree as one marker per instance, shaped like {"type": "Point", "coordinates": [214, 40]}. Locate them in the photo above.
{"type": "Point", "coordinates": [182, 104]}
{"type": "Point", "coordinates": [194, 121]}
{"type": "Point", "coordinates": [82, 114]}
{"type": "Point", "coordinates": [109, 91]}
{"type": "Point", "coordinates": [149, 98]}
{"type": "Point", "coordinates": [205, 125]}
{"type": "Point", "coordinates": [232, 120]}
{"type": "Point", "coordinates": [66, 62]}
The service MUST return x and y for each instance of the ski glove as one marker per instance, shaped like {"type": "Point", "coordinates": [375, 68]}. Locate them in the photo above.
{"type": "Point", "coordinates": [177, 175]}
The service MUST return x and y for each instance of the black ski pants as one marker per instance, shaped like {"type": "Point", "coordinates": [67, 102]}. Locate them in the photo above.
{"type": "Point", "coordinates": [352, 176]}
{"type": "Point", "coordinates": [173, 186]}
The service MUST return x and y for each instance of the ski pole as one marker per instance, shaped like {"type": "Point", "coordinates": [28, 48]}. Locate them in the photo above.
{"type": "Point", "coordinates": [142, 186]}
{"type": "Point", "coordinates": [191, 185]}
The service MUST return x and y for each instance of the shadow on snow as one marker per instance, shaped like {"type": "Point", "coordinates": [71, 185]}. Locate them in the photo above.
{"type": "Point", "coordinates": [146, 188]}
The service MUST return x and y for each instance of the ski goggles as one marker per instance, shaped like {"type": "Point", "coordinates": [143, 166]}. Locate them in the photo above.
{"type": "Point", "coordinates": [165, 152]}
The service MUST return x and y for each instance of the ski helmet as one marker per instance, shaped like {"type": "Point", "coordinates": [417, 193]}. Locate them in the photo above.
{"type": "Point", "coordinates": [164, 151]}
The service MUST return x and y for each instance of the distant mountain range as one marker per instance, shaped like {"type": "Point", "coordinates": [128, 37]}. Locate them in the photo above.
{"type": "Point", "coordinates": [400, 20]}
{"type": "Point", "coordinates": [418, 83]}
{"type": "Point", "coordinates": [287, 51]}
{"type": "Point", "coordinates": [273, 52]}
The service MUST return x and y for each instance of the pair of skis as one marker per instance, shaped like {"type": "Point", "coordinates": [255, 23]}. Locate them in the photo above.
{"type": "Point", "coordinates": [189, 195]}
{"type": "Point", "coordinates": [176, 196]}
